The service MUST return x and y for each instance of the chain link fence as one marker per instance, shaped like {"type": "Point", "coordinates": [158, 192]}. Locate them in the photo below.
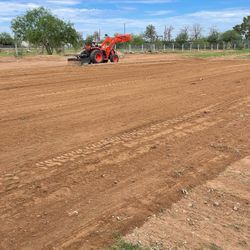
{"type": "Point", "coordinates": [168, 47]}
{"type": "Point", "coordinates": [143, 48]}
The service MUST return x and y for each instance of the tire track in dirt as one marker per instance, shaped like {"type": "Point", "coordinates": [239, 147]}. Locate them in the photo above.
{"type": "Point", "coordinates": [112, 145]}
{"type": "Point", "coordinates": [79, 238]}
{"type": "Point", "coordinates": [192, 177]}
{"type": "Point", "coordinates": [122, 147]}
{"type": "Point", "coordinates": [108, 151]}
{"type": "Point", "coordinates": [76, 239]}
{"type": "Point", "coordinates": [41, 77]}
{"type": "Point", "coordinates": [113, 150]}
{"type": "Point", "coordinates": [179, 127]}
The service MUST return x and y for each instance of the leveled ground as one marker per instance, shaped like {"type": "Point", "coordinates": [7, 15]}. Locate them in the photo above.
{"type": "Point", "coordinates": [89, 153]}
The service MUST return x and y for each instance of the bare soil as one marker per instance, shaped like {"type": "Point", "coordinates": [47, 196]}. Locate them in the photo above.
{"type": "Point", "coordinates": [215, 215]}
{"type": "Point", "coordinates": [89, 153]}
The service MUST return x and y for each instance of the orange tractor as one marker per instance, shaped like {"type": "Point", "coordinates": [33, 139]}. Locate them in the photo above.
{"type": "Point", "coordinates": [101, 53]}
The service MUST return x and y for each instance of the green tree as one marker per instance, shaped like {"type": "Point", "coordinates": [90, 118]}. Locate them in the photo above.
{"type": "Point", "coordinates": [150, 33]}
{"type": "Point", "coordinates": [137, 40]}
{"type": "Point", "coordinates": [80, 40]}
{"type": "Point", "coordinates": [41, 28]}
{"type": "Point", "coordinates": [6, 39]}
{"type": "Point", "coordinates": [183, 36]}
{"type": "Point", "coordinates": [230, 36]}
{"type": "Point", "coordinates": [94, 37]}
{"type": "Point", "coordinates": [214, 36]}
{"type": "Point", "coordinates": [89, 39]}
{"type": "Point", "coordinates": [244, 28]}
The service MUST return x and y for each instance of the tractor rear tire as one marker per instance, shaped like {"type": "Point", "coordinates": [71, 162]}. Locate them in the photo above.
{"type": "Point", "coordinates": [114, 58]}
{"type": "Point", "coordinates": [96, 56]}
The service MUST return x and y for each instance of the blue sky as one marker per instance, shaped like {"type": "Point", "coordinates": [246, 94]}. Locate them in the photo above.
{"type": "Point", "coordinates": [110, 15]}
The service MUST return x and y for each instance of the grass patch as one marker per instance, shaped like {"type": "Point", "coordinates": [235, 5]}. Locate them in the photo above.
{"type": "Point", "coordinates": [21, 52]}
{"type": "Point", "coordinates": [216, 54]}
{"type": "Point", "coordinates": [245, 57]}
{"type": "Point", "coordinates": [5, 53]}
{"type": "Point", "coordinates": [123, 245]}
{"type": "Point", "coordinates": [32, 52]}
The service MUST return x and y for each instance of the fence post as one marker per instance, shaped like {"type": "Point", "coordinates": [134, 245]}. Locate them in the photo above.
{"type": "Point", "coordinates": [235, 46]}
{"type": "Point", "coordinates": [129, 48]}
{"type": "Point", "coordinates": [182, 47]}
{"type": "Point", "coordinates": [191, 46]}
{"type": "Point", "coordinates": [205, 46]}
{"type": "Point", "coordinates": [16, 49]}
{"type": "Point", "coordinates": [198, 47]}
{"type": "Point", "coordinates": [217, 46]}
{"type": "Point", "coordinates": [173, 47]}
{"type": "Point", "coordinates": [142, 48]}
{"type": "Point", "coordinates": [212, 46]}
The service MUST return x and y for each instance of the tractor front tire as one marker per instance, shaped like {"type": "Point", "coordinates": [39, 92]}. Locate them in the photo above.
{"type": "Point", "coordinates": [96, 56]}
{"type": "Point", "coordinates": [114, 58]}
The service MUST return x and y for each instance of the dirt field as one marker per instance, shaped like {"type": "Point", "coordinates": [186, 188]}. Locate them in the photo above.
{"type": "Point", "coordinates": [215, 215]}
{"type": "Point", "coordinates": [89, 153]}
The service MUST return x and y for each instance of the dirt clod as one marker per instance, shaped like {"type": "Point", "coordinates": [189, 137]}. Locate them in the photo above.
{"type": "Point", "coordinates": [73, 213]}
{"type": "Point", "coordinates": [184, 191]}
{"type": "Point", "coordinates": [216, 204]}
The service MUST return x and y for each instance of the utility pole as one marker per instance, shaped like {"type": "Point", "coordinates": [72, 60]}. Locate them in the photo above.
{"type": "Point", "coordinates": [16, 49]}
{"type": "Point", "coordinates": [99, 35]}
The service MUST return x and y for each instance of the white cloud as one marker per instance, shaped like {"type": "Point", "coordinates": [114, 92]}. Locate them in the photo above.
{"type": "Point", "coordinates": [228, 13]}
{"type": "Point", "coordinates": [159, 12]}
{"type": "Point", "coordinates": [109, 21]}
{"type": "Point", "coordinates": [140, 1]}
{"type": "Point", "coordinates": [5, 19]}
{"type": "Point", "coordinates": [224, 19]}
{"type": "Point", "coordinates": [64, 2]}
{"type": "Point", "coordinates": [64, 12]}
{"type": "Point", "coordinates": [15, 8]}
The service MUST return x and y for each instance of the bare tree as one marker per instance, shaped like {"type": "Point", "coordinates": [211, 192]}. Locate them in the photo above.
{"type": "Point", "coordinates": [168, 33]}
{"type": "Point", "coordinates": [183, 35]}
{"type": "Point", "coordinates": [96, 36]}
{"type": "Point", "coordinates": [185, 30]}
{"type": "Point", "coordinates": [196, 32]}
